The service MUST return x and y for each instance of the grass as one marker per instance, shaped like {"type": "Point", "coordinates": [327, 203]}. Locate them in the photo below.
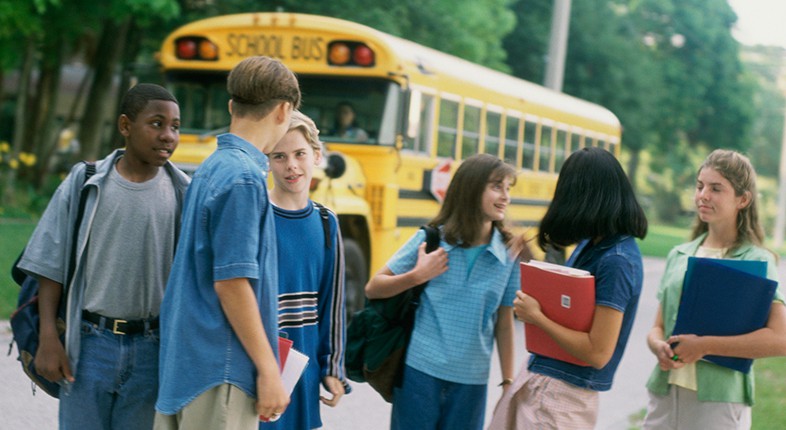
{"type": "Point", "coordinates": [13, 237]}
{"type": "Point", "coordinates": [660, 239]}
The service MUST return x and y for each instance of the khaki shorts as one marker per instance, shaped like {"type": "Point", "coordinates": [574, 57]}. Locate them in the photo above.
{"type": "Point", "coordinates": [681, 409]}
{"type": "Point", "coordinates": [224, 407]}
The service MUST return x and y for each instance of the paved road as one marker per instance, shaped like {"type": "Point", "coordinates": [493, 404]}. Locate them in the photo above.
{"type": "Point", "coordinates": [364, 409]}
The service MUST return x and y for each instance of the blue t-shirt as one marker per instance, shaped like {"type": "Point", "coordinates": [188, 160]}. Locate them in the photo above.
{"type": "Point", "coordinates": [616, 264]}
{"type": "Point", "coordinates": [454, 324]}
{"type": "Point", "coordinates": [228, 232]}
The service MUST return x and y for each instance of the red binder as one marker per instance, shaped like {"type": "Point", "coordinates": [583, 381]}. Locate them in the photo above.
{"type": "Point", "coordinates": [566, 296]}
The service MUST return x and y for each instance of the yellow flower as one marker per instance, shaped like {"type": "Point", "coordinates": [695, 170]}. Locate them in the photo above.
{"type": "Point", "coordinates": [27, 158]}
{"type": "Point", "coordinates": [13, 163]}
{"type": "Point", "coordinates": [5, 147]}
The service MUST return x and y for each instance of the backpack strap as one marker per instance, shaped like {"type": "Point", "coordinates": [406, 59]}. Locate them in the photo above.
{"type": "Point", "coordinates": [90, 170]}
{"type": "Point", "coordinates": [432, 243]}
{"type": "Point", "coordinates": [324, 213]}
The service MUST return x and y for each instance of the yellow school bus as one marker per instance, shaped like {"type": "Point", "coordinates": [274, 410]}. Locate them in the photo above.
{"type": "Point", "coordinates": [421, 112]}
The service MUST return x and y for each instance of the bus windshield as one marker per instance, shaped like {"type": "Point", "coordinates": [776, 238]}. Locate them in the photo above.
{"type": "Point", "coordinates": [346, 110]}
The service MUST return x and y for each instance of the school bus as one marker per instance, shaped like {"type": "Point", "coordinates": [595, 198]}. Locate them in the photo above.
{"type": "Point", "coordinates": [423, 111]}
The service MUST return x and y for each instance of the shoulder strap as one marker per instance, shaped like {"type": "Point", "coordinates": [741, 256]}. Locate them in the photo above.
{"type": "Point", "coordinates": [90, 170]}
{"type": "Point", "coordinates": [432, 243]}
{"type": "Point", "coordinates": [324, 213]}
{"type": "Point", "coordinates": [432, 237]}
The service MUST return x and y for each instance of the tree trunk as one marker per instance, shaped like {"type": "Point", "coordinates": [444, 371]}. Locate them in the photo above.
{"type": "Point", "coordinates": [23, 90]}
{"type": "Point", "coordinates": [99, 102]}
{"type": "Point", "coordinates": [48, 92]}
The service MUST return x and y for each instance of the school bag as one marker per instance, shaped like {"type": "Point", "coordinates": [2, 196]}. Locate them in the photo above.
{"type": "Point", "coordinates": [25, 319]}
{"type": "Point", "coordinates": [378, 335]}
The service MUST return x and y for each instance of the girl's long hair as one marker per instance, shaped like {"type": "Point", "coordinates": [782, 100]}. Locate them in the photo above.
{"type": "Point", "coordinates": [461, 214]}
{"type": "Point", "coordinates": [739, 171]}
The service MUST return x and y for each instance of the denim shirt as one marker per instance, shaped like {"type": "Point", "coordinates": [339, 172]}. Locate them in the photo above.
{"type": "Point", "coordinates": [228, 232]}
{"type": "Point", "coordinates": [49, 249]}
{"type": "Point", "coordinates": [715, 383]}
{"type": "Point", "coordinates": [616, 264]}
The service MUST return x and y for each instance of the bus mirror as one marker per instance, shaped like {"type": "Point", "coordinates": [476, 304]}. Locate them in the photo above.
{"type": "Point", "coordinates": [336, 166]}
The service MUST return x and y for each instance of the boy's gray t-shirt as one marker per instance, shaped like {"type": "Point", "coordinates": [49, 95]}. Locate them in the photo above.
{"type": "Point", "coordinates": [131, 246]}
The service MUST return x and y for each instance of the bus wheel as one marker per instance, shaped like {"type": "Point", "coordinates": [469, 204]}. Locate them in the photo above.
{"type": "Point", "coordinates": [356, 271]}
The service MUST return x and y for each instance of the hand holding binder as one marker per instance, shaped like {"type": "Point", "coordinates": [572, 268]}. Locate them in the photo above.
{"type": "Point", "coordinates": [724, 298]}
{"type": "Point", "coordinates": [566, 296]}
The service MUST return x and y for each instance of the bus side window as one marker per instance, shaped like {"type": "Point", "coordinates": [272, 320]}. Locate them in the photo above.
{"type": "Point", "coordinates": [420, 123]}
{"type": "Point", "coordinates": [448, 123]}
{"type": "Point", "coordinates": [493, 129]}
{"type": "Point", "coordinates": [470, 136]}
{"type": "Point", "coordinates": [530, 132]}
{"type": "Point", "coordinates": [562, 149]}
{"type": "Point", "coordinates": [511, 140]}
{"type": "Point", "coordinates": [575, 141]}
{"type": "Point", "coordinates": [545, 148]}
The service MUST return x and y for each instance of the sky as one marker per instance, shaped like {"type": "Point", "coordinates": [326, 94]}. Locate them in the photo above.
{"type": "Point", "coordinates": [760, 22]}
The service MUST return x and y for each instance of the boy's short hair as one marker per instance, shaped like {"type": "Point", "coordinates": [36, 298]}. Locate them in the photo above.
{"type": "Point", "coordinates": [256, 83]}
{"type": "Point", "coordinates": [139, 95]}
{"type": "Point", "coordinates": [301, 122]}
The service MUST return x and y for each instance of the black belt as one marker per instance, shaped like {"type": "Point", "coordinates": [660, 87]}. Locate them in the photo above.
{"type": "Point", "coordinates": [119, 326]}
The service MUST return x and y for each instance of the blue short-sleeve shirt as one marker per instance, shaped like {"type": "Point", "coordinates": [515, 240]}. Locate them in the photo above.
{"type": "Point", "coordinates": [228, 232]}
{"type": "Point", "coordinates": [454, 325]}
{"type": "Point", "coordinates": [616, 264]}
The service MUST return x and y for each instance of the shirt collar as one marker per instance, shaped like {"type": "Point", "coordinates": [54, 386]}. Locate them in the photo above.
{"type": "Point", "coordinates": [496, 246]}
{"type": "Point", "coordinates": [690, 248]}
{"type": "Point", "coordinates": [229, 140]}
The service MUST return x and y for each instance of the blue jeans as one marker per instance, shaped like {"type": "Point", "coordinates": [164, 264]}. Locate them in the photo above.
{"type": "Point", "coordinates": [425, 402]}
{"type": "Point", "coordinates": [116, 382]}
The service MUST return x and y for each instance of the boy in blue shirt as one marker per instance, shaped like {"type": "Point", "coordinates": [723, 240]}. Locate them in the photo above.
{"type": "Point", "coordinates": [219, 325]}
{"type": "Point", "coordinates": [311, 275]}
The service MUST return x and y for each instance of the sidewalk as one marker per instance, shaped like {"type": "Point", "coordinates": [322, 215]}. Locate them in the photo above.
{"type": "Point", "coordinates": [364, 409]}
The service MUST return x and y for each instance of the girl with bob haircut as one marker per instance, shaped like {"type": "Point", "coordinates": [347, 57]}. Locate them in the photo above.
{"type": "Point", "coordinates": [594, 207]}
{"type": "Point", "coordinates": [685, 391]}
{"type": "Point", "coordinates": [464, 308]}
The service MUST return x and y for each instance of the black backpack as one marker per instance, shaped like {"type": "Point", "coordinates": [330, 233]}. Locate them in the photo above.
{"type": "Point", "coordinates": [25, 319]}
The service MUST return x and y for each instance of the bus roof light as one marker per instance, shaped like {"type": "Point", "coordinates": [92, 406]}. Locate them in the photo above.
{"type": "Point", "coordinates": [347, 53]}
{"type": "Point", "coordinates": [208, 50]}
{"type": "Point", "coordinates": [339, 54]}
{"type": "Point", "coordinates": [186, 49]}
{"type": "Point", "coordinates": [363, 56]}
{"type": "Point", "coordinates": [196, 48]}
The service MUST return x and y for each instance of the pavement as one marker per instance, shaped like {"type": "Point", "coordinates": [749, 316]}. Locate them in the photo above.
{"type": "Point", "coordinates": [364, 408]}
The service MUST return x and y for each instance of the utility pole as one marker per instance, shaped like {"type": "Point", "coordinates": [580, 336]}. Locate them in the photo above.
{"type": "Point", "coordinates": [780, 218]}
{"type": "Point", "coordinates": [558, 43]}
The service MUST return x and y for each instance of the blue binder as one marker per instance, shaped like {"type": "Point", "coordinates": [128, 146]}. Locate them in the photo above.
{"type": "Point", "coordinates": [725, 298]}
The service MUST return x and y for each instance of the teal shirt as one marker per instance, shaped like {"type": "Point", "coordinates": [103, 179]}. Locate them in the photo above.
{"type": "Point", "coordinates": [715, 383]}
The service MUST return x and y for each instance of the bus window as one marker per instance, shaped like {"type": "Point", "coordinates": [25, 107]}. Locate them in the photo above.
{"type": "Point", "coordinates": [492, 133]}
{"type": "Point", "coordinates": [545, 148]}
{"type": "Point", "coordinates": [511, 140]}
{"type": "Point", "coordinates": [561, 149]}
{"type": "Point", "coordinates": [203, 104]}
{"type": "Point", "coordinates": [530, 131]}
{"type": "Point", "coordinates": [448, 121]}
{"type": "Point", "coordinates": [575, 141]}
{"type": "Point", "coordinates": [421, 118]}
{"type": "Point", "coordinates": [470, 135]}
